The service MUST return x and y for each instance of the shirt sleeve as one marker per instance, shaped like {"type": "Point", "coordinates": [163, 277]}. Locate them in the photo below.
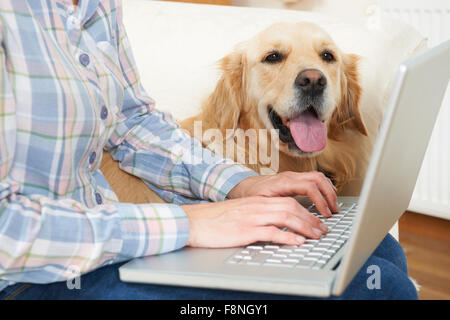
{"type": "Point", "coordinates": [149, 144]}
{"type": "Point", "coordinates": [45, 240]}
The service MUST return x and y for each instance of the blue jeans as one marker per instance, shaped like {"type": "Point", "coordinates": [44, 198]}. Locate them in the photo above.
{"type": "Point", "coordinates": [104, 283]}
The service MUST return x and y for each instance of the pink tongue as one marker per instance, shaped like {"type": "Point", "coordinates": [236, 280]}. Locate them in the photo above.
{"type": "Point", "coordinates": [309, 133]}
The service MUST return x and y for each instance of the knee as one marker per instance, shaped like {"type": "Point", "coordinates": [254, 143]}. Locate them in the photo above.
{"type": "Point", "coordinates": [391, 250]}
{"type": "Point", "coordinates": [399, 285]}
{"type": "Point", "coordinates": [380, 279]}
{"type": "Point", "coordinates": [394, 284]}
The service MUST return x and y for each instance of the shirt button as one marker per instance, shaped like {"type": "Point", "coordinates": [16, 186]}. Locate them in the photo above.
{"type": "Point", "coordinates": [92, 157]}
{"type": "Point", "coordinates": [104, 113]}
{"type": "Point", "coordinates": [84, 59]}
{"type": "Point", "coordinates": [98, 198]}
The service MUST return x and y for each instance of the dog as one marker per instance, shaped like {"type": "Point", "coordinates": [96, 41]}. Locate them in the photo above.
{"type": "Point", "coordinates": [290, 77]}
{"type": "Point", "coordinates": [293, 78]}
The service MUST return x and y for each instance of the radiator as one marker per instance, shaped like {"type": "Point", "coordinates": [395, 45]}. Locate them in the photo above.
{"type": "Point", "coordinates": [432, 192]}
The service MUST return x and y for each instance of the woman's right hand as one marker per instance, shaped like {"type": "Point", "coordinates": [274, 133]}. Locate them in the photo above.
{"type": "Point", "coordinates": [243, 221]}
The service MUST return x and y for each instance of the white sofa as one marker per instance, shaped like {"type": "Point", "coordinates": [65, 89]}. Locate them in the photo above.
{"type": "Point", "coordinates": [176, 47]}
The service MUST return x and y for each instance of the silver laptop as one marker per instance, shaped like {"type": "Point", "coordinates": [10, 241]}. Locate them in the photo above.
{"type": "Point", "coordinates": [325, 267]}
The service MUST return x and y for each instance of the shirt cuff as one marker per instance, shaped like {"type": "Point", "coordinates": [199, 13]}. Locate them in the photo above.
{"type": "Point", "coordinates": [149, 229]}
{"type": "Point", "coordinates": [221, 178]}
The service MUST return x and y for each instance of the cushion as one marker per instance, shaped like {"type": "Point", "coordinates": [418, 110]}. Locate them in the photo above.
{"type": "Point", "coordinates": [177, 46]}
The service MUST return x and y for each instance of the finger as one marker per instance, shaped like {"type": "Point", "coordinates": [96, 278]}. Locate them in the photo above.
{"type": "Point", "coordinates": [308, 184]}
{"type": "Point", "coordinates": [291, 205]}
{"type": "Point", "coordinates": [335, 190]}
{"type": "Point", "coordinates": [334, 187]}
{"type": "Point", "coordinates": [273, 234]}
{"type": "Point", "coordinates": [285, 219]}
{"type": "Point", "coordinates": [326, 187]}
{"type": "Point", "coordinates": [331, 183]}
{"type": "Point", "coordinates": [313, 192]}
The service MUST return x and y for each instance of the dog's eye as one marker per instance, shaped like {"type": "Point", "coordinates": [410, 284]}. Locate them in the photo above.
{"type": "Point", "coordinates": [273, 57]}
{"type": "Point", "coordinates": [327, 56]}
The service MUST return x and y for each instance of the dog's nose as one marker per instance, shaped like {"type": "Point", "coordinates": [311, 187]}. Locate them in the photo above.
{"type": "Point", "coordinates": [312, 82]}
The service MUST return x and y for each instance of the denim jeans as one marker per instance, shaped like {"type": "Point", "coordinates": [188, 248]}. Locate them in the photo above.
{"type": "Point", "coordinates": [104, 283]}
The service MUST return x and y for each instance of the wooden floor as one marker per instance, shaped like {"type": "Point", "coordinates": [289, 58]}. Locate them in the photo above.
{"type": "Point", "coordinates": [426, 241]}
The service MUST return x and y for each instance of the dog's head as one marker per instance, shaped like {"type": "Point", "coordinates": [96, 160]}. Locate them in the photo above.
{"type": "Point", "coordinates": [291, 77]}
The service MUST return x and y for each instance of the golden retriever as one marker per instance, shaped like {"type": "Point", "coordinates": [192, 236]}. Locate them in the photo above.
{"type": "Point", "coordinates": [293, 78]}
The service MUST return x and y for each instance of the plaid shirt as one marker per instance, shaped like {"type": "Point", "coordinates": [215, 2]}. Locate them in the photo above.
{"type": "Point", "coordinates": [69, 89]}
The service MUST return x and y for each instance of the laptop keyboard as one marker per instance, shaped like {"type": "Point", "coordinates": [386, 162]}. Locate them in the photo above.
{"type": "Point", "coordinates": [311, 254]}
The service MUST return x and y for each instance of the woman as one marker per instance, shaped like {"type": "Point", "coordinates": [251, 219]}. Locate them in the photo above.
{"type": "Point", "coordinates": [69, 90]}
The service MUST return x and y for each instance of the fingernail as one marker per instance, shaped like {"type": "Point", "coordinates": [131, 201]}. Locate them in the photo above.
{"type": "Point", "coordinates": [317, 232]}
{"type": "Point", "coordinates": [323, 227]}
{"type": "Point", "coordinates": [300, 239]}
{"type": "Point", "coordinates": [329, 212]}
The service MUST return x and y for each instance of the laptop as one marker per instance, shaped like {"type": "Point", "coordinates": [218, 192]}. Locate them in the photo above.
{"type": "Point", "coordinates": [325, 267]}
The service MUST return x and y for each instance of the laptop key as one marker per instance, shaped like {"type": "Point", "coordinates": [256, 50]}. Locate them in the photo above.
{"type": "Point", "coordinates": [254, 247]}
{"type": "Point", "coordinates": [324, 245]}
{"type": "Point", "coordinates": [287, 247]}
{"type": "Point", "coordinates": [233, 261]}
{"type": "Point", "coordinates": [273, 260]}
{"type": "Point", "coordinates": [279, 255]}
{"type": "Point", "coordinates": [334, 234]}
{"type": "Point", "coordinates": [243, 257]}
{"type": "Point", "coordinates": [311, 258]}
{"type": "Point", "coordinates": [314, 254]}
{"type": "Point", "coordinates": [282, 250]}
{"type": "Point", "coordinates": [319, 264]}
{"type": "Point", "coordinates": [260, 258]}
{"type": "Point", "coordinates": [327, 241]}
{"type": "Point", "coordinates": [291, 260]}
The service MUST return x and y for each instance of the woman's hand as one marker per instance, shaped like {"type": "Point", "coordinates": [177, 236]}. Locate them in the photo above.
{"type": "Point", "coordinates": [315, 185]}
{"type": "Point", "coordinates": [247, 220]}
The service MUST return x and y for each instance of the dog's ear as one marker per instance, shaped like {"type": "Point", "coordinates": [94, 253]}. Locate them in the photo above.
{"type": "Point", "coordinates": [347, 113]}
{"type": "Point", "coordinates": [227, 99]}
